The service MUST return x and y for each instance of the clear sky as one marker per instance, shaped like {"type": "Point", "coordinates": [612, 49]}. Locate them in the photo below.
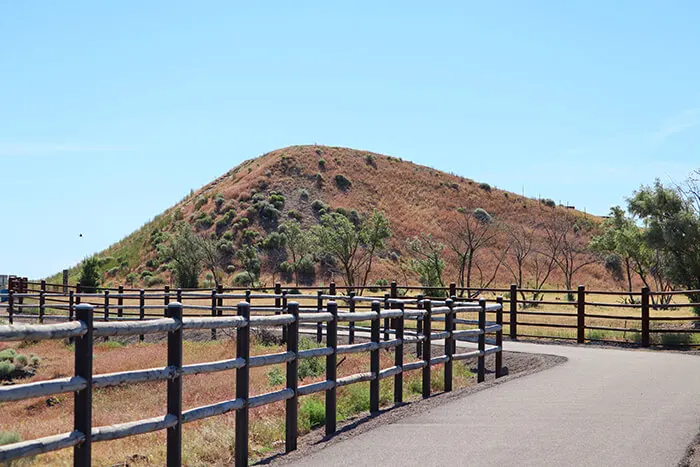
{"type": "Point", "coordinates": [111, 112]}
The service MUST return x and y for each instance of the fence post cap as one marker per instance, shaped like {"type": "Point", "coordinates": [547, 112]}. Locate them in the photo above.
{"type": "Point", "coordinates": [84, 306]}
{"type": "Point", "coordinates": [174, 305]}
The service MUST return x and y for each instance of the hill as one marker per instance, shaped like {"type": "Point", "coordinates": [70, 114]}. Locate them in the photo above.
{"type": "Point", "coordinates": [247, 203]}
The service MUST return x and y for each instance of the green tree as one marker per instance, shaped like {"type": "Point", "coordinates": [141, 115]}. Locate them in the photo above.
{"type": "Point", "coordinates": [299, 245]}
{"type": "Point", "coordinates": [427, 260]}
{"type": "Point", "coordinates": [671, 218]}
{"type": "Point", "coordinates": [184, 250]}
{"type": "Point", "coordinates": [90, 275]}
{"type": "Point", "coordinates": [353, 246]}
{"type": "Point", "coordinates": [250, 263]}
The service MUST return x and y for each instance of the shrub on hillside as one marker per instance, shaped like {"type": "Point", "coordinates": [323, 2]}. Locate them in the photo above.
{"type": "Point", "coordinates": [485, 186]}
{"type": "Point", "coordinates": [303, 195]}
{"type": "Point", "coordinates": [89, 275]}
{"type": "Point", "coordinates": [322, 164]}
{"type": "Point", "coordinates": [549, 203]}
{"type": "Point", "coordinates": [371, 160]}
{"type": "Point", "coordinates": [319, 207]}
{"type": "Point", "coordinates": [296, 215]}
{"type": "Point", "coordinates": [243, 279]}
{"type": "Point", "coordinates": [342, 182]}
{"type": "Point", "coordinates": [201, 201]}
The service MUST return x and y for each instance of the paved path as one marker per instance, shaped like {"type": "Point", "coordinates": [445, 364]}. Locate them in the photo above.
{"type": "Point", "coordinates": [601, 407]}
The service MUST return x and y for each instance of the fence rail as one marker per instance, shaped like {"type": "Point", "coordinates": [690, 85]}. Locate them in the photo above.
{"type": "Point", "coordinates": [84, 330]}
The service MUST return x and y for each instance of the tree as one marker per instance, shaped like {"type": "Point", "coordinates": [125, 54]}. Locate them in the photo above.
{"type": "Point", "coordinates": [427, 260]}
{"type": "Point", "coordinates": [353, 246]}
{"type": "Point", "coordinates": [211, 256]}
{"type": "Point", "coordinates": [521, 245]}
{"type": "Point", "coordinates": [250, 263]}
{"type": "Point", "coordinates": [187, 259]}
{"type": "Point", "coordinates": [90, 275]}
{"type": "Point", "coordinates": [475, 231]}
{"type": "Point", "coordinates": [299, 245]}
{"type": "Point", "coordinates": [566, 245]}
{"type": "Point", "coordinates": [672, 221]}
{"type": "Point", "coordinates": [274, 247]}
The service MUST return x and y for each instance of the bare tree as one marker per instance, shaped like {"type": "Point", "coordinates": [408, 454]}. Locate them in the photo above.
{"type": "Point", "coordinates": [475, 231]}
{"type": "Point", "coordinates": [521, 246]}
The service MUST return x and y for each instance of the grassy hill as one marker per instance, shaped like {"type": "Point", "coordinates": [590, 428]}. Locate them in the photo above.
{"type": "Point", "coordinates": [246, 203]}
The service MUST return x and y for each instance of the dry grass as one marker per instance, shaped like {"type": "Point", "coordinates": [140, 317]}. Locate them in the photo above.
{"type": "Point", "coordinates": [207, 442]}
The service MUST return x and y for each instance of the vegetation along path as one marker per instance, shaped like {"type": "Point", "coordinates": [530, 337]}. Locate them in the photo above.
{"type": "Point", "coordinates": [601, 407]}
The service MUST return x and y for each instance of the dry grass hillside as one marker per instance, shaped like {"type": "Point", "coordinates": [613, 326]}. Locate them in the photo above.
{"type": "Point", "coordinates": [416, 199]}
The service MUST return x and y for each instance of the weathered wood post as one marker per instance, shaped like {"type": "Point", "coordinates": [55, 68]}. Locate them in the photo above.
{"type": "Point", "coordinates": [142, 309]}
{"type": "Point", "coordinates": [499, 337]}
{"type": "Point", "coordinates": [42, 301]}
{"type": "Point", "coordinates": [278, 305]}
{"type": "Point", "coordinates": [449, 344]}
{"type": "Point", "coordinates": [213, 312]}
{"type": "Point", "coordinates": [178, 297]}
{"type": "Point", "coordinates": [71, 308]}
{"type": "Point", "coordinates": [645, 317]}
{"type": "Point", "coordinates": [453, 290]}
{"type": "Point", "coordinates": [174, 388]}
{"type": "Point", "coordinates": [386, 320]}
{"type": "Point", "coordinates": [106, 310]}
{"type": "Point", "coordinates": [11, 306]}
{"type": "Point", "coordinates": [427, 331]}
{"type": "Point", "coordinates": [242, 386]}
{"type": "Point", "coordinates": [394, 294]}
{"type": "Point", "coordinates": [454, 325]}
{"type": "Point", "coordinates": [291, 407]}
{"type": "Point", "coordinates": [248, 298]}
{"type": "Point", "coordinates": [419, 326]}
{"type": "Point", "coordinates": [166, 299]}
{"type": "Point", "coordinates": [319, 308]}
{"type": "Point", "coordinates": [219, 300]}
{"type": "Point", "coordinates": [398, 356]}
{"type": "Point", "coordinates": [481, 365]}
{"type": "Point", "coordinates": [65, 281]}
{"type": "Point", "coordinates": [82, 400]}
{"type": "Point", "coordinates": [374, 360]}
{"type": "Point", "coordinates": [351, 324]}
{"type": "Point", "coordinates": [581, 315]}
{"type": "Point", "coordinates": [78, 291]}
{"type": "Point", "coordinates": [120, 302]}
{"type": "Point", "coordinates": [513, 311]}
{"type": "Point", "coordinates": [331, 368]}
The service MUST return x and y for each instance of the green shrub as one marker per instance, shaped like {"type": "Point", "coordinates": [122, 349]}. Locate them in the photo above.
{"type": "Point", "coordinates": [379, 284]}
{"type": "Point", "coordinates": [6, 369]}
{"type": "Point", "coordinates": [276, 377]}
{"type": "Point", "coordinates": [230, 268]}
{"type": "Point", "coordinates": [319, 207]}
{"type": "Point", "coordinates": [296, 215]}
{"type": "Point", "coordinates": [370, 160]}
{"type": "Point", "coordinates": [219, 201]}
{"type": "Point", "coordinates": [21, 361]}
{"type": "Point", "coordinates": [322, 164]}
{"type": "Point", "coordinates": [9, 437]}
{"type": "Point", "coordinates": [146, 273]}
{"type": "Point", "coordinates": [131, 278]}
{"type": "Point", "coordinates": [312, 413]}
{"type": "Point", "coordinates": [201, 201]}
{"type": "Point", "coordinates": [90, 275]}
{"type": "Point", "coordinates": [303, 195]}
{"type": "Point", "coordinates": [151, 281]}
{"type": "Point", "coordinates": [310, 367]}
{"type": "Point", "coordinates": [485, 186]}
{"type": "Point", "coordinates": [227, 236]}
{"type": "Point", "coordinates": [353, 399]}
{"type": "Point", "coordinates": [8, 355]}
{"type": "Point", "coordinates": [34, 360]}
{"type": "Point", "coordinates": [548, 202]}
{"type": "Point", "coordinates": [276, 199]}
{"type": "Point", "coordinates": [342, 182]}
{"type": "Point", "coordinates": [204, 221]}
{"type": "Point", "coordinates": [243, 279]}
{"type": "Point", "coordinates": [319, 181]}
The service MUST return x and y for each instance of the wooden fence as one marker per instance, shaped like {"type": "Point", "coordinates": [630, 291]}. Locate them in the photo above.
{"type": "Point", "coordinates": [581, 315]}
{"type": "Point", "coordinates": [84, 328]}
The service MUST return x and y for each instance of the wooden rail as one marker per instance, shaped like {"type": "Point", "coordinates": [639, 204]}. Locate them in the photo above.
{"type": "Point", "coordinates": [84, 330]}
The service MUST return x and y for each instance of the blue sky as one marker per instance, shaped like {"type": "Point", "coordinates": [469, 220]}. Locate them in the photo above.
{"type": "Point", "coordinates": [112, 111]}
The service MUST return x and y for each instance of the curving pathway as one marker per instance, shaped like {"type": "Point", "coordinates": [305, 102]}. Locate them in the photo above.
{"type": "Point", "coordinates": [601, 407]}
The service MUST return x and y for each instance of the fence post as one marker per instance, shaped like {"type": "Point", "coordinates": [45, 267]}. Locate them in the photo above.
{"type": "Point", "coordinates": [398, 356]}
{"type": "Point", "coordinates": [427, 331]}
{"type": "Point", "coordinates": [248, 297]}
{"type": "Point", "coordinates": [291, 407]}
{"type": "Point", "coordinates": [219, 300]}
{"type": "Point", "coordinates": [481, 366]}
{"type": "Point", "coordinates": [386, 320]}
{"type": "Point", "coordinates": [581, 314]}
{"type": "Point", "coordinates": [71, 308]}
{"type": "Point", "coordinates": [213, 312]}
{"type": "Point", "coordinates": [351, 324]}
{"type": "Point", "coordinates": [10, 306]}
{"type": "Point", "coordinates": [394, 294]}
{"type": "Point", "coordinates": [419, 326]}
{"type": "Point", "coordinates": [65, 281]}
{"type": "Point", "coordinates": [174, 433]}
{"type": "Point", "coordinates": [453, 290]}
{"type": "Point", "coordinates": [319, 308]}
{"type": "Point", "coordinates": [449, 343]}
{"type": "Point", "coordinates": [499, 337]}
{"type": "Point", "coordinates": [82, 400]}
{"type": "Point", "coordinates": [42, 301]}
{"type": "Point", "coordinates": [645, 317]}
{"type": "Point", "coordinates": [106, 310]}
{"type": "Point", "coordinates": [120, 302]}
{"type": "Point", "coordinates": [78, 291]}
{"type": "Point", "coordinates": [166, 298]}
{"type": "Point", "coordinates": [142, 310]}
{"type": "Point", "coordinates": [331, 368]}
{"type": "Point", "coordinates": [178, 297]}
{"type": "Point", "coordinates": [374, 360]}
{"type": "Point", "coordinates": [278, 305]}
{"type": "Point", "coordinates": [242, 386]}
{"type": "Point", "coordinates": [513, 311]}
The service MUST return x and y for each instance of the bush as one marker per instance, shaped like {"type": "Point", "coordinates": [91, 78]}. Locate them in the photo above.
{"type": "Point", "coordinates": [151, 281]}
{"type": "Point", "coordinates": [204, 221]}
{"type": "Point", "coordinates": [230, 268]}
{"type": "Point", "coordinates": [380, 284]}
{"type": "Point", "coordinates": [310, 367]}
{"type": "Point", "coordinates": [6, 370]}
{"type": "Point", "coordinates": [277, 200]}
{"type": "Point", "coordinates": [89, 275]}
{"type": "Point", "coordinates": [322, 164]}
{"type": "Point", "coordinates": [296, 215]}
{"type": "Point", "coordinates": [131, 278]}
{"type": "Point", "coordinates": [353, 399]}
{"type": "Point", "coordinates": [485, 186]}
{"type": "Point", "coordinates": [319, 207]}
{"type": "Point", "coordinates": [8, 355]}
{"type": "Point", "coordinates": [276, 377]}
{"type": "Point", "coordinates": [482, 216]}
{"type": "Point", "coordinates": [342, 182]}
{"type": "Point", "coordinates": [243, 279]}
{"type": "Point", "coordinates": [21, 361]}
{"type": "Point", "coordinates": [201, 201]}
{"type": "Point", "coordinates": [304, 195]}
{"type": "Point", "coordinates": [219, 201]}
{"type": "Point", "coordinates": [548, 202]}
{"type": "Point", "coordinates": [319, 181]}
{"type": "Point", "coordinates": [312, 413]}
{"type": "Point", "coordinates": [145, 274]}
{"type": "Point", "coordinates": [9, 437]}
{"type": "Point", "coordinates": [371, 161]}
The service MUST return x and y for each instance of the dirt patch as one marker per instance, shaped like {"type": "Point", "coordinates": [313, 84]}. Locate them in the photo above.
{"type": "Point", "coordinates": [515, 365]}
